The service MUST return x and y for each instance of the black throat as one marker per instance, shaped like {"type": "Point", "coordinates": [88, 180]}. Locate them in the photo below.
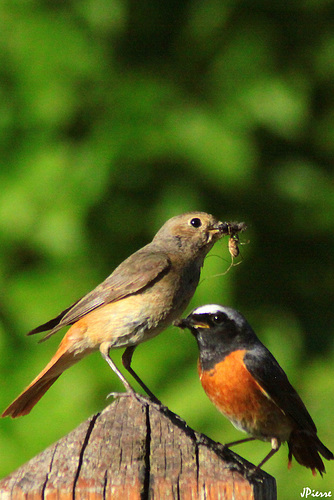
{"type": "Point", "coordinates": [216, 344]}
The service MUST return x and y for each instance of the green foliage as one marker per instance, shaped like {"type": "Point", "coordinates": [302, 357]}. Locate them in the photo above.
{"type": "Point", "coordinates": [115, 116]}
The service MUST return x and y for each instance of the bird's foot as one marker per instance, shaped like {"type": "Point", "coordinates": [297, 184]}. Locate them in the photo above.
{"type": "Point", "coordinates": [144, 400]}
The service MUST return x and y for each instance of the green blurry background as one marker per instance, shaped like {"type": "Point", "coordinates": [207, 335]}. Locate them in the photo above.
{"type": "Point", "coordinates": [115, 116]}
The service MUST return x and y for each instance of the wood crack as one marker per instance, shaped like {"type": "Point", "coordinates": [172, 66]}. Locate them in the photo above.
{"type": "Point", "coordinates": [147, 458]}
{"type": "Point", "coordinates": [82, 451]}
{"type": "Point", "coordinates": [49, 472]}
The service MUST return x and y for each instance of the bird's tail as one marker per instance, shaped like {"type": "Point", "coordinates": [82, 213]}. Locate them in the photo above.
{"type": "Point", "coordinates": [62, 360]}
{"type": "Point", "coordinates": [305, 447]}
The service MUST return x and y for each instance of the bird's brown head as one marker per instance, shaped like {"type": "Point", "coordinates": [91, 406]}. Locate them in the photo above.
{"type": "Point", "coordinates": [193, 232]}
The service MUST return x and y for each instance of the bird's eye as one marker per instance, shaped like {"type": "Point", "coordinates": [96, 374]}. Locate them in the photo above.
{"type": "Point", "coordinates": [219, 318]}
{"type": "Point", "coordinates": [196, 222]}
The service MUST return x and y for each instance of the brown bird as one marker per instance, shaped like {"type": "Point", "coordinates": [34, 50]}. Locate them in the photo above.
{"type": "Point", "coordinates": [246, 383]}
{"type": "Point", "coordinates": [141, 298]}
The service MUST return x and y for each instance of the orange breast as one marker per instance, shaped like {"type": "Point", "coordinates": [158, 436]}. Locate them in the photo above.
{"type": "Point", "coordinates": [237, 395]}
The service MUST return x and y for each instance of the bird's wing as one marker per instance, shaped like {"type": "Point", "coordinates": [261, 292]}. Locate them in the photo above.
{"type": "Point", "coordinates": [140, 270]}
{"type": "Point", "coordinates": [275, 384]}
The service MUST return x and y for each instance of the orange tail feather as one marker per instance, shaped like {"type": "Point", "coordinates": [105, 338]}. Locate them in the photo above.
{"type": "Point", "coordinates": [25, 402]}
{"type": "Point", "coordinates": [62, 360]}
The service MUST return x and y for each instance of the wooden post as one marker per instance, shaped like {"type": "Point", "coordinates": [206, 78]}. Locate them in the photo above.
{"type": "Point", "coordinates": [136, 450]}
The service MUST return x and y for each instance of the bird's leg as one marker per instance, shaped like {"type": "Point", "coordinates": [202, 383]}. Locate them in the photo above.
{"type": "Point", "coordinates": [104, 350]}
{"type": "Point", "coordinates": [240, 441]}
{"type": "Point", "coordinates": [126, 360]}
{"type": "Point", "coordinates": [275, 446]}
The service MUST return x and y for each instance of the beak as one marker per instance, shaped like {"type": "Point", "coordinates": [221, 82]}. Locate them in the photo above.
{"type": "Point", "coordinates": [218, 230]}
{"type": "Point", "coordinates": [182, 323]}
{"type": "Point", "coordinates": [192, 322]}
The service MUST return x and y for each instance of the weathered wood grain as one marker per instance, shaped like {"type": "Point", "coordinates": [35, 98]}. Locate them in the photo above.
{"type": "Point", "coordinates": [136, 450]}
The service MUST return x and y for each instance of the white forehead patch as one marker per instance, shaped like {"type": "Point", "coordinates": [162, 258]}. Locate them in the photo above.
{"type": "Point", "coordinates": [209, 309]}
{"type": "Point", "coordinates": [232, 314]}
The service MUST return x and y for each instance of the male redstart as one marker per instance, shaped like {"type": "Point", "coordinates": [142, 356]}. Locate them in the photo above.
{"type": "Point", "coordinates": [246, 383]}
{"type": "Point", "coordinates": [136, 302]}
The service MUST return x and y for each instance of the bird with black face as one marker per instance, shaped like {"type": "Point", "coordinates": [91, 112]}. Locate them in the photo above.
{"type": "Point", "coordinates": [245, 382]}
